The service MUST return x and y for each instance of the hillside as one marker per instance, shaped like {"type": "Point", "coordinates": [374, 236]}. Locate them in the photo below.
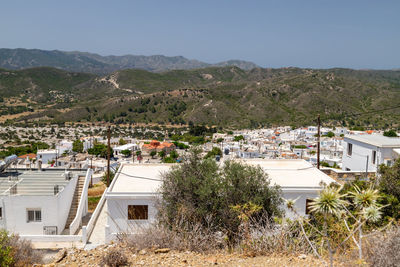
{"type": "Point", "coordinates": [225, 96]}
{"type": "Point", "coordinates": [93, 63]}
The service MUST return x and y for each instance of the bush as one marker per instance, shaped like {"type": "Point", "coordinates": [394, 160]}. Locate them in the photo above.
{"type": "Point", "coordinates": [114, 257]}
{"type": "Point", "coordinates": [17, 252]}
{"type": "Point", "coordinates": [198, 188]}
{"type": "Point", "coordinates": [383, 249]}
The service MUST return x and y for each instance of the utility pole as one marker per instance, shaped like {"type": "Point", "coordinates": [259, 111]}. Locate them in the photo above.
{"type": "Point", "coordinates": [91, 177]}
{"type": "Point", "coordinates": [366, 168]}
{"type": "Point", "coordinates": [319, 141]}
{"type": "Point", "coordinates": [108, 155]}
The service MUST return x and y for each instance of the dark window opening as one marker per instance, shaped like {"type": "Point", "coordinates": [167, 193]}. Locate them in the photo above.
{"type": "Point", "coordinates": [308, 205]}
{"type": "Point", "coordinates": [349, 149]}
{"type": "Point", "coordinates": [138, 212]}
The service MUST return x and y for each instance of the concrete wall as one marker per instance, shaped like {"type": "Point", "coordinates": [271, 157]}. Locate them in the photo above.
{"type": "Point", "coordinates": [118, 214]}
{"type": "Point", "coordinates": [300, 205]}
{"type": "Point", "coordinates": [54, 209]}
{"type": "Point", "coordinates": [358, 160]}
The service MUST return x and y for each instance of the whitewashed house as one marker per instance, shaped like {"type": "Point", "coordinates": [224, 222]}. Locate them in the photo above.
{"type": "Point", "coordinates": [39, 203]}
{"type": "Point", "coordinates": [47, 155]}
{"type": "Point", "coordinates": [367, 152]}
{"type": "Point", "coordinates": [132, 194]}
{"type": "Point", "coordinates": [130, 147]}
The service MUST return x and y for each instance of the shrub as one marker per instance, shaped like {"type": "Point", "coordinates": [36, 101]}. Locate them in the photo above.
{"type": "Point", "coordinates": [17, 252]}
{"type": "Point", "coordinates": [114, 257]}
{"type": "Point", "coordinates": [198, 188]}
{"type": "Point", "coordinates": [383, 248]}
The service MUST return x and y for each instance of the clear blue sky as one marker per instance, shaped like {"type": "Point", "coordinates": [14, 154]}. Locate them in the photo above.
{"type": "Point", "coordinates": [303, 33]}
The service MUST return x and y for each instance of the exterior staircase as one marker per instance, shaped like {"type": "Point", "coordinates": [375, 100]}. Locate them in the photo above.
{"type": "Point", "coordinates": [75, 201]}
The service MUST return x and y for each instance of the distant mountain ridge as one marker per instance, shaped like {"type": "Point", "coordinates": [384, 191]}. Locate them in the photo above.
{"type": "Point", "coordinates": [76, 61]}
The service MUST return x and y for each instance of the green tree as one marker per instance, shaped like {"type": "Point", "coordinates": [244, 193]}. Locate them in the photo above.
{"type": "Point", "coordinates": [121, 142]}
{"type": "Point", "coordinates": [389, 185]}
{"type": "Point", "coordinates": [126, 152]}
{"type": "Point", "coordinates": [173, 154]}
{"type": "Point", "coordinates": [100, 150]}
{"type": "Point", "coordinates": [215, 151]}
{"type": "Point", "coordinates": [390, 133]}
{"type": "Point", "coordinates": [77, 146]}
{"type": "Point", "coordinates": [153, 153]}
{"type": "Point", "coordinates": [237, 138]}
{"type": "Point", "coordinates": [161, 154]}
{"type": "Point", "coordinates": [198, 189]}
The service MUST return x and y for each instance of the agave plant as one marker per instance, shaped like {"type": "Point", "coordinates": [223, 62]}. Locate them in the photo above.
{"type": "Point", "coordinates": [364, 198]}
{"type": "Point", "coordinates": [330, 201]}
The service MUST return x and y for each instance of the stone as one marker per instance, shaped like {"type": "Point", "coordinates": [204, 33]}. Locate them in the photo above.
{"type": "Point", "coordinates": [302, 256]}
{"type": "Point", "coordinates": [162, 250]}
{"type": "Point", "coordinates": [142, 252]}
{"type": "Point", "coordinates": [60, 255]}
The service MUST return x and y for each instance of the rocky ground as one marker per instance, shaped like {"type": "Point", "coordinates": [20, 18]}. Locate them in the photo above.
{"type": "Point", "coordinates": [165, 257]}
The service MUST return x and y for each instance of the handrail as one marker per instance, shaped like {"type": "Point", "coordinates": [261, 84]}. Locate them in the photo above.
{"type": "Point", "coordinates": [96, 213]}
{"type": "Point", "coordinates": [76, 223]}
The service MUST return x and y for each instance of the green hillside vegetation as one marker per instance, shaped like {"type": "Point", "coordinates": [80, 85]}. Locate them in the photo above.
{"type": "Point", "coordinates": [223, 96]}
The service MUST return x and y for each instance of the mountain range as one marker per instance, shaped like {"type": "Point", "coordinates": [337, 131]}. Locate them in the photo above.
{"type": "Point", "coordinates": [93, 63]}
{"type": "Point", "coordinates": [224, 96]}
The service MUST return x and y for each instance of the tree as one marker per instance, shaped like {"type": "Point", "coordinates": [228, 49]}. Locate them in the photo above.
{"type": "Point", "coordinates": [173, 154]}
{"type": "Point", "coordinates": [389, 184]}
{"type": "Point", "coordinates": [215, 151]}
{"type": "Point", "coordinates": [390, 133]}
{"type": "Point", "coordinates": [153, 153]}
{"type": "Point", "coordinates": [162, 154]}
{"type": "Point", "coordinates": [121, 142]}
{"type": "Point", "coordinates": [330, 134]}
{"type": "Point", "coordinates": [100, 150]}
{"type": "Point", "coordinates": [77, 146]}
{"type": "Point", "coordinates": [126, 152]}
{"type": "Point", "coordinates": [199, 189]}
{"type": "Point", "coordinates": [237, 138]}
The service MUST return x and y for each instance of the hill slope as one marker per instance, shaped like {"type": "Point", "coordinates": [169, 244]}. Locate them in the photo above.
{"type": "Point", "coordinates": [215, 95]}
{"type": "Point", "coordinates": [94, 63]}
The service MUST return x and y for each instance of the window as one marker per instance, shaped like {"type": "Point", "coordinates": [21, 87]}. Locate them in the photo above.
{"type": "Point", "coordinates": [138, 212]}
{"type": "Point", "coordinates": [308, 203]}
{"type": "Point", "coordinates": [349, 149]}
{"type": "Point", "coordinates": [1, 213]}
{"type": "Point", "coordinates": [373, 157]}
{"type": "Point", "coordinates": [34, 215]}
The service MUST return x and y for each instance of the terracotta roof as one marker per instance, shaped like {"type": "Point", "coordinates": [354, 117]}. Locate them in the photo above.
{"type": "Point", "coordinates": [31, 156]}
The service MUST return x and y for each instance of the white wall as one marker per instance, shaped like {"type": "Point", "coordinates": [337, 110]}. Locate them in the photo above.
{"type": "Point", "coordinates": [54, 209]}
{"type": "Point", "coordinates": [358, 160]}
{"type": "Point", "coordinates": [300, 204]}
{"type": "Point", "coordinates": [117, 218]}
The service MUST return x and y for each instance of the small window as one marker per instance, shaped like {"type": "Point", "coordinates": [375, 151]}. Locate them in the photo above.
{"type": "Point", "coordinates": [308, 203]}
{"type": "Point", "coordinates": [373, 157]}
{"type": "Point", "coordinates": [1, 213]}
{"type": "Point", "coordinates": [138, 212]}
{"type": "Point", "coordinates": [349, 149]}
{"type": "Point", "coordinates": [34, 215]}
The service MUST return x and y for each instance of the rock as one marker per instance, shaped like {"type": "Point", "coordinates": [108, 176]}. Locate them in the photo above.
{"type": "Point", "coordinates": [302, 256]}
{"type": "Point", "coordinates": [162, 250]}
{"type": "Point", "coordinates": [142, 252]}
{"type": "Point", "coordinates": [60, 255]}
{"type": "Point", "coordinates": [212, 260]}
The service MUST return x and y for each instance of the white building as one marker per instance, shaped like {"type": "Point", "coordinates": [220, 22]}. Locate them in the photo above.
{"type": "Point", "coordinates": [37, 203]}
{"type": "Point", "coordinates": [47, 155]}
{"type": "Point", "coordinates": [64, 146]}
{"type": "Point", "coordinates": [132, 194]}
{"type": "Point", "coordinates": [130, 147]}
{"type": "Point", "coordinates": [298, 179]}
{"type": "Point", "coordinates": [361, 151]}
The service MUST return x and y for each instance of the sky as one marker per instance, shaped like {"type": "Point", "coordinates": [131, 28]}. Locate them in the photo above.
{"type": "Point", "coordinates": [360, 34]}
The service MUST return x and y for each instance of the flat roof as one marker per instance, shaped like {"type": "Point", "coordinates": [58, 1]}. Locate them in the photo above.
{"type": "Point", "coordinates": [139, 178]}
{"type": "Point", "coordinates": [296, 174]}
{"type": "Point", "coordinates": [33, 182]}
{"type": "Point", "coordinates": [291, 173]}
{"type": "Point", "coordinates": [376, 140]}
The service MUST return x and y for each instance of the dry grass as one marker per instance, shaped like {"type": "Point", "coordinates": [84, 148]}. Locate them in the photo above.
{"type": "Point", "coordinates": [97, 190]}
{"type": "Point", "coordinates": [114, 257]}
